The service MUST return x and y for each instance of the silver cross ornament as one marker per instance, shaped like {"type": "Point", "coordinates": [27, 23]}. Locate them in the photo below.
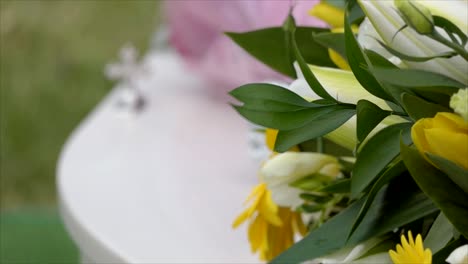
{"type": "Point", "coordinates": [127, 71]}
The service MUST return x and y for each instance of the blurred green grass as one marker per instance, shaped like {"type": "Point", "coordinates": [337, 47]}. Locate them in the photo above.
{"type": "Point", "coordinates": [35, 235]}
{"type": "Point", "coordinates": [52, 55]}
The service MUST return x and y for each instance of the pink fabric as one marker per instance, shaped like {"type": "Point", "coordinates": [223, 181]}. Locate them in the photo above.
{"type": "Point", "coordinates": [196, 31]}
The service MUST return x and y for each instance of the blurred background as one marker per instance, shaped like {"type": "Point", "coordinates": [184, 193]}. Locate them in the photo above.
{"type": "Point", "coordinates": [52, 56]}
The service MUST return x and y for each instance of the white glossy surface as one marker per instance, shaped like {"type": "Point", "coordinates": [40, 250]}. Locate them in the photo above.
{"type": "Point", "coordinates": [162, 186]}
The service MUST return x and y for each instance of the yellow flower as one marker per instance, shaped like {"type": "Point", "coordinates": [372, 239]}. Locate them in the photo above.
{"type": "Point", "coordinates": [270, 139]}
{"type": "Point", "coordinates": [335, 56]}
{"type": "Point", "coordinates": [445, 135]}
{"type": "Point", "coordinates": [335, 18]}
{"type": "Point", "coordinates": [411, 251]}
{"type": "Point", "coordinates": [271, 228]}
{"type": "Point", "coordinates": [328, 13]}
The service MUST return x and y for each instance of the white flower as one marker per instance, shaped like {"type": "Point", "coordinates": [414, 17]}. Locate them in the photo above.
{"type": "Point", "coordinates": [346, 88]}
{"type": "Point", "coordinates": [288, 167]}
{"type": "Point", "coordinates": [459, 103]}
{"type": "Point", "coordinates": [386, 21]}
{"type": "Point", "coordinates": [459, 255]}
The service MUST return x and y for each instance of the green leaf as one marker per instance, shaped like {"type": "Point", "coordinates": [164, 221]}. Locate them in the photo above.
{"type": "Point", "coordinates": [311, 183]}
{"type": "Point", "coordinates": [439, 234]}
{"type": "Point", "coordinates": [357, 59]}
{"type": "Point", "coordinates": [391, 209]}
{"type": "Point", "coordinates": [458, 174]}
{"type": "Point", "coordinates": [417, 78]}
{"type": "Point", "coordinates": [310, 208]}
{"type": "Point", "coordinates": [341, 4]}
{"type": "Point", "coordinates": [270, 98]}
{"type": "Point", "coordinates": [443, 254]}
{"type": "Point", "coordinates": [437, 95]}
{"type": "Point", "coordinates": [320, 199]}
{"type": "Point", "coordinates": [335, 41]}
{"type": "Point", "coordinates": [356, 15]}
{"type": "Point", "coordinates": [338, 186]}
{"type": "Point", "coordinates": [286, 120]}
{"type": "Point", "coordinates": [378, 60]}
{"type": "Point", "coordinates": [449, 27]}
{"type": "Point", "coordinates": [264, 91]}
{"type": "Point", "coordinates": [448, 196]}
{"type": "Point", "coordinates": [391, 173]}
{"type": "Point", "coordinates": [269, 46]}
{"type": "Point", "coordinates": [308, 75]}
{"type": "Point", "coordinates": [317, 127]}
{"type": "Point", "coordinates": [382, 148]}
{"type": "Point", "coordinates": [369, 116]}
{"type": "Point", "coordinates": [417, 107]}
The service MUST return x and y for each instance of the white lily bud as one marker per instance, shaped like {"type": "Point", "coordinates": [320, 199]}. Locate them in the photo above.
{"type": "Point", "coordinates": [459, 255]}
{"type": "Point", "coordinates": [388, 22]}
{"type": "Point", "coordinates": [417, 16]}
{"type": "Point", "coordinates": [288, 167]}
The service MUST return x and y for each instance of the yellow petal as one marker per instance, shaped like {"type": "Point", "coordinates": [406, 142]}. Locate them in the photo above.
{"type": "Point", "coordinates": [411, 240]}
{"type": "Point", "coordinates": [257, 192]}
{"type": "Point", "coordinates": [427, 256]}
{"type": "Point", "coordinates": [269, 210]}
{"type": "Point", "coordinates": [241, 218]}
{"type": "Point", "coordinates": [418, 135]}
{"type": "Point", "coordinates": [449, 145]}
{"type": "Point", "coordinates": [451, 121]}
{"type": "Point", "coordinates": [338, 60]}
{"type": "Point", "coordinates": [257, 233]}
{"type": "Point", "coordinates": [394, 256]}
{"type": "Point", "coordinates": [328, 13]}
{"type": "Point", "coordinates": [298, 224]}
{"type": "Point", "coordinates": [270, 138]}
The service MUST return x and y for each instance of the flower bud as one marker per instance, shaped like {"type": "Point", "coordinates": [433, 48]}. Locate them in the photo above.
{"type": "Point", "coordinates": [416, 16]}
{"type": "Point", "coordinates": [459, 255]}
{"type": "Point", "coordinates": [445, 135]}
{"type": "Point", "coordinates": [459, 103]}
{"type": "Point", "coordinates": [283, 169]}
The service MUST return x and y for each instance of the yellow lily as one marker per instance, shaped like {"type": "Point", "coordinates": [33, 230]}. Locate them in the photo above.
{"type": "Point", "coordinates": [445, 135]}
{"type": "Point", "coordinates": [271, 228]}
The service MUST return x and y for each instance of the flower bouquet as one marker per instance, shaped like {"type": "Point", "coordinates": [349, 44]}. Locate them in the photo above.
{"type": "Point", "coordinates": [369, 143]}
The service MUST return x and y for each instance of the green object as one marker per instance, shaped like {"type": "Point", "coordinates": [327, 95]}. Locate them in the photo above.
{"type": "Point", "coordinates": [53, 54]}
{"type": "Point", "coordinates": [308, 75]}
{"type": "Point", "coordinates": [418, 108]}
{"type": "Point", "coordinates": [335, 41]}
{"type": "Point", "coordinates": [453, 171]}
{"type": "Point", "coordinates": [369, 116]}
{"type": "Point", "coordinates": [331, 118]}
{"type": "Point", "coordinates": [404, 206]}
{"type": "Point", "coordinates": [358, 62]}
{"type": "Point", "coordinates": [454, 203]}
{"type": "Point", "coordinates": [270, 47]}
{"type": "Point", "coordinates": [35, 236]}
{"type": "Point", "coordinates": [376, 154]}
{"type": "Point", "coordinates": [416, 16]}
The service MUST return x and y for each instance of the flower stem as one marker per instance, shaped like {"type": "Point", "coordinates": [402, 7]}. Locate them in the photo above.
{"type": "Point", "coordinates": [459, 49]}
